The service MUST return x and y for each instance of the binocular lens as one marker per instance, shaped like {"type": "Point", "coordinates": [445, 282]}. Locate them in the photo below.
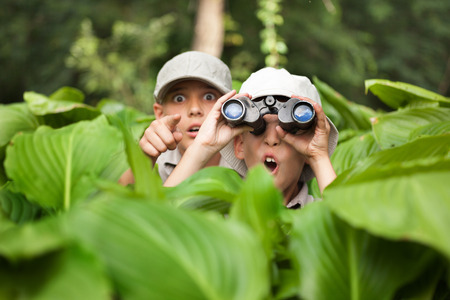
{"type": "Point", "coordinates": [233, 110]}
{"type": "Point", "coordinates": [303, 113]}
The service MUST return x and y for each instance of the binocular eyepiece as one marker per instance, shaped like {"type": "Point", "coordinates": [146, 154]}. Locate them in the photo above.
{"type": "Point", "coordinates": [293, 114]}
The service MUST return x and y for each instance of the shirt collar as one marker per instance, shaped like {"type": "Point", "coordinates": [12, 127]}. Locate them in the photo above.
{"type": "Point", "coordinates": [302, 198]}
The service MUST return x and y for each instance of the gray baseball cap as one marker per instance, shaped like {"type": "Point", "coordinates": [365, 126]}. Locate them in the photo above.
{"type": "Point", "coordinates": [192, 65]}
{"type": "Point", "coordinates": [271, 81]}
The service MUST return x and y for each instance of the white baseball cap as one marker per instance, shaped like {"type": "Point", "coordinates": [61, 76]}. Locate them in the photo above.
{"type": "Point", "coordinates": [279, 82]}
{"type": "Point", "coordinates": [192, 65]}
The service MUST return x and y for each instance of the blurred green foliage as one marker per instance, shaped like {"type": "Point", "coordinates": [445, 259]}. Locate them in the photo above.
{"type": "Point", "coordinates": [68, 230]}
{"type": "Point", "coordinates": [37, 36]}
{"type": "Point", "coordinates": [120, 65]}
{"type": "Point", "coordinates": [272, 44]}
{"type": "Point", "coordinates": [340, 42]}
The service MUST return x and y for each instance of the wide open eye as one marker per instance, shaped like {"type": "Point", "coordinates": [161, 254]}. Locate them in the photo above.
{"type": "Point", "coordinates": [210, 97]}
{"type": "Point", "coordinates": [179, 98]}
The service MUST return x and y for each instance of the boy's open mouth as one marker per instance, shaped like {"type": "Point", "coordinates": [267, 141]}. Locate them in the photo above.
{"type": "Point", "coordinates": [270, 164]}
{"type": "Point", "coordinates": [194, 129]}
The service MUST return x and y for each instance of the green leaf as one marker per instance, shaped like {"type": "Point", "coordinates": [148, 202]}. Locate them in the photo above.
{"type": "Point", "coordinates": [424, 152]}
{"type": "Point", "coordinates": [350, 115]}
{"type": "Point", "coordinates": [213, 188]}
{"type": "Point", "coordinates": [337, 261]}
{"type": "Point", "coordinates": [5, 223]}
{"type": "Point", "coordinates": [17, 207]}
{"type": "Point", "coordinates": [68, 94]}
{"type": "Point", "coordinates": [259, 205]}
{"type": "Point", "coordinates": [401, 193]}
{"type": "Point", "coordinates": [349, 153]}
{"type": "Point", "coordinates": [205, 203]}
{"type": "Point", "coordinates": [15, 118]}
{"type": "Point", "coordinates": [394, 129]}
{"type": "Point", "coordinates": [59, 112]}
{"type": "Point", "coordinates": [33, 239]}
{"type": "Point", "coordinates": [426, 286]}
{"type": "Point", "coordinates": [347, 134]}
{"type": "Point", "coordinates": [116, 167]}
{"type": "Point", "coordinates": [73, 273]}
{"type": "Point", "coordinates": [147, 181]}
{"type": "Point", "coordinates": [49, 164]}
{"type": "Point", "coordinates": [154, 251]}
{"type": "Point", "coordinates": [133, 119]}
{"type": "Point", "coordinates": [400, 94]}
{"type": "Point", "coordinates": [40, 261]}
{"type": "Point", "coordinates": [313, 188]}
{"type": "Point", "coordinates": [439, 128]}
{"type": "Point", "coordinates": [3, 178]}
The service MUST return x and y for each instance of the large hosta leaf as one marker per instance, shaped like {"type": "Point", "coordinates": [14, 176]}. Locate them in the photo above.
{"type": "Point", "coordinates": [38, 260]}
{"type": "Point", "coordinates": [396, 128]}
{"type": "Point", "coordinates": [337, 261]}
{"type": "Point", "coordinates": [439, 128]}
{"type": "Point", "coordinates": [345, 113]}
{"type": "Point", "coordinates": [401, 193]}
{"type": "Point", "coordinates": [147, 182]}
{"type": "Point", "coordinates": [349, 153]}
{"type": "Point", "coordinates": [49, 165]}
{"type": "Point", "coordinates": [15, 118]}
{"type": "Point", "coordinates": [259, 205]}
{"type": "Point", "coordinates": [67, 93]}
{"type": "Point", "coordinates": [62, 107]}
{"type": "Point", "coordinates": [133, 119]}
{"type": "Point", "coordinates": [3, 178]}
{"type": "Point", "coordinates": [155, 251]}
{"type": "Point", "coordinates": [399, 94]}
{"type": "Point", "coordinates": [212, 188]}
{"type": "Point", "coordinates": [71, 273]}
{"type": "Point", "coordinates": [17, 207]}
{"type": "Point", "coordinates": [33, 239]}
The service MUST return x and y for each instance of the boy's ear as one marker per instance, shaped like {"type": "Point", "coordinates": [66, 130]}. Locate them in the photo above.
{"type": "Point", "coordinates": [158, 110]}
{"type": "Point", "coordinates": [239, 147]}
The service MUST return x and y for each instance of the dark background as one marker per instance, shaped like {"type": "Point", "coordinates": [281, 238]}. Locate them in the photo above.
{"type": "Point", "coordinates": [403, 40]}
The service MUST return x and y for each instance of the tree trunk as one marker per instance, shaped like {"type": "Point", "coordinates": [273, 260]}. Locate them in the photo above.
{"type": "Point", "coordinates": [209, 27]}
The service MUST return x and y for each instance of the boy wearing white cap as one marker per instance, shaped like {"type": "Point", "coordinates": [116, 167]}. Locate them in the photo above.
{"type": "Point", "coordinates": [187, 87]}
{"type": "Point", "coordinates": [292, 159]}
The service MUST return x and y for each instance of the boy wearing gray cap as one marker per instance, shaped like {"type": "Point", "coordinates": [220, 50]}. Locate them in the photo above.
{"type": "Point", "coordinates": [291, 158]}
{"type": "Point", "coordinates": [187, 87]}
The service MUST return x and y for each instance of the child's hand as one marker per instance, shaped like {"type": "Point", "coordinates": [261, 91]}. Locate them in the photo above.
{"type": "Point", "coordinates": [160, 136]}
{"type": "Point", "coordinates": [312, 143]}
{"type": "Point", "coordinates": [215, 133]}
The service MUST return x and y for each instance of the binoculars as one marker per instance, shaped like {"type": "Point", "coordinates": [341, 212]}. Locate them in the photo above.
{"type": "Point", "coordinates": [293, 114]}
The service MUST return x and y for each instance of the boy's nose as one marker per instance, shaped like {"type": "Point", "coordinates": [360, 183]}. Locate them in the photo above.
{"type": "Point", "coordinates": [271, 137]}
{"type": "Point", "coordinates": [195, 108]}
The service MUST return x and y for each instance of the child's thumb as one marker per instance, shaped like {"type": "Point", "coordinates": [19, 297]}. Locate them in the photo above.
{"type": "Point", "coordinates": [285, 136]}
